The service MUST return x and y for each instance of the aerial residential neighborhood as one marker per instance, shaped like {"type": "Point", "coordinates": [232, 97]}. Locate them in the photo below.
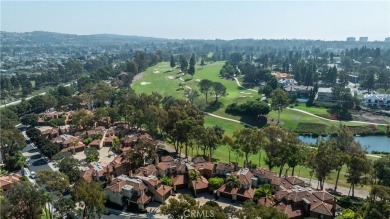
{"type": "Point", "coordinates": [205, 109]}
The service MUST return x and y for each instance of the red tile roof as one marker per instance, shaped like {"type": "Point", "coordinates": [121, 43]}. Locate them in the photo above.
{"type": "Point", "coordinates": [323, 208]}
{"type": "Point", "coordinates": [166, 159]}
{"type": "Point", "coordinates": [180, 179]}
{"type": "Point", "coordinates": [323, 195]}
{"type": "Point", "coordinates": [6, 182]}
{"type": "Point", "coordinates": [201, 183]}
{"type": "Point", "coordinates": [163, 190]}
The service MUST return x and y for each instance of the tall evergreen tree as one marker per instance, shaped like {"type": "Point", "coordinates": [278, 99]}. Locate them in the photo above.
{"type": "Point", "coordinates": [172, 63]}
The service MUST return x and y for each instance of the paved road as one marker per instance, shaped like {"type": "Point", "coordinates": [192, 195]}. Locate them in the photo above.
{"type": "Point", "coordinates": [37, 160]}
{"type": "Point", "coordinates": [27, 98]}
{"type": "Point", "coordinates": [228, 119]}
{"type": "Point", "coordinates": [239, 84]}
{"type": "Point", "coordinates": [343, 190]}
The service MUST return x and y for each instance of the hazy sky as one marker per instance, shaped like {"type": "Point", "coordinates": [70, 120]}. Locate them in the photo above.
{"type": "Point", "coordinates": [332, 20]}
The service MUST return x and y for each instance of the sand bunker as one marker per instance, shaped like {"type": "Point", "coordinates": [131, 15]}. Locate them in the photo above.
{"type": "Point", "coordinates": [197, 79]}
{"type": "Point", "coordinates": [242, 96]}
{"type": "Point", "coordinates": [145, 83]}
{"type": "Point", "coordinates": [171, 77]}
{"type": "Point", "coordinates": [156, 72]}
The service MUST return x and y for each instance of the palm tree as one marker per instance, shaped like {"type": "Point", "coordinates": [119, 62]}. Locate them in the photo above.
{"type": "Point", "coordinates": [22, 162]}
{"type": "Point", "coordinates": [264, 191]}
{"type": "Point", "coordinates": [48, 198]}
{"type": "Point", "coordinates": [194, 175]}
{"type": "Point", "coordinates": [232, 181]}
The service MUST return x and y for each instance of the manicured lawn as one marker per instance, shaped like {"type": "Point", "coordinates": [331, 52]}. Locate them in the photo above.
{"type": "Point", "coordinates": [314, 110]}
{"type": "Point", "coordinates": [222, 154]}
{"type": "Point", "coordinates": [162, 79]}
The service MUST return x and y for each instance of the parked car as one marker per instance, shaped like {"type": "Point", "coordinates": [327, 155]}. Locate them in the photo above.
{"type": "Point", "coordinates": [33, 175]}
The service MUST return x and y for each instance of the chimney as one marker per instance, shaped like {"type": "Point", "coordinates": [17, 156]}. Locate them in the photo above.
{"type": "Point", "coordinates": [157, 160]}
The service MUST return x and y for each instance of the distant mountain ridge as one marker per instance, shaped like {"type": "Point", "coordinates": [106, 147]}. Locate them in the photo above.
{"type": "Point", "coordinates": [44, 38]}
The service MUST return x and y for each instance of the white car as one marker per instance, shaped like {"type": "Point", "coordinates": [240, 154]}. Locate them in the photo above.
{"type": "Point", "coordinates": [33, 174]}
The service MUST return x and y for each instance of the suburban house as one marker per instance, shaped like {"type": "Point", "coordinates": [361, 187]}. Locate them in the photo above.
{"type": "Point", "coordinates": [149, 170]}
{"type": "Point", "coordinates": [98, 171]}
{"type": "Point", "coordinates": [287, 82]}
{"type": "Point", "coordinates": [205, 168]}
{"type": "Point", "coordinates": [243, 191]}
{"type": "Point", "coordinates": [95, 143]}
{"type": "Point", "coordinates": [180, 181]}
{"type": "Point", "coordinates": [294, 198]}
{"type": "Point", "coordinates": [160, 192]}
{"type": "Point", "coordinates": [301, 202]}
{"type": "Point", "coordinates": [325, 94]}
{"type": "Point", "coordinates": [69, 143]}
{"type": "Point", "coordinates": [280, 75]}
{"type": "Point", "coordinates": [300, 91]}
{"type": "Point", "coordinates": [223, 168]}
{"type": "Point", "coordinates": [376, 100]}
{"type": "Point", "coordinates": [128, 191]}
{"type": "Point", "coordinates": [7, 182]}
{"type": "Point", "coordinates": [50, 133]}
{"type": "Point", "coordinates": [120, 165]}
{"type": "Point", "coordinates": [46, 116]}
{"type": "Point", "coordinates": [169, 167]}
{"type": "Point", "coordinates": [199, 185]}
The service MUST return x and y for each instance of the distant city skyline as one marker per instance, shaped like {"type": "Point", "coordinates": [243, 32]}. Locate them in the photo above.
{"type": "Point", "coordinates": [316, 20]}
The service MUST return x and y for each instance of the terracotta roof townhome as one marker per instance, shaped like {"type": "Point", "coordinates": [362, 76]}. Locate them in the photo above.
{"type": "Point", "coordinates": [245, 176]}
{"type": "Point", "coordinates": [200, 184]}
{"type": "Point", "coordinates": [293, 180]}
{"type": "Point", "coordinates": [291, 210]}
{"type": "Point", "coordinates": [266, 201]}
{"type": "Point", "coordinates": [244, 194]}
{"type": "Point", "coordinates": [180, 181]}
{"type": "Point", "coordinates": [198, 159]}
{"type": "Point", "coordinates": [171, 167]}
{"type": "Point", "coordinates": [223, 168]}
{"type": "Point", "coordinates": [323, 195]}
{"type": "Point", "coordinates": [149, 170]}
{"type": "Point", "coordinates": [50, 133]}
{"type": "Point", "coordinates": [323, 209]}
{"type": "Point", "coordinates": [7, 182]}
{"type": "Point", "coordinates": [129, 140]}
{"type": "Point", "coordinates": [206, 169]}
{"type": "Point", "coordinates": [65, 139]}
{"type": "Point", "coordinates": [95, 143]}
{"type": "Point", "coordinates": [235, 193]}
{"type": "Point", "coordinates": [166, 158]}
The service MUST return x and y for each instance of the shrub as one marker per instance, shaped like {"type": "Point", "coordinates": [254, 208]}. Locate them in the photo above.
{"type": "Point", "coordinates": [311, 128]}
{"type": "Point", "coordinates": [87, 141]}
{"type": "Point", "coordinates": [249, 108]}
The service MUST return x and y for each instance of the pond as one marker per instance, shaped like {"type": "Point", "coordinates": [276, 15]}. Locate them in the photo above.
{"type": "Point", "coordinates": [371, 143]}
{"type": "Point", "coordinates": [302, 100]}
